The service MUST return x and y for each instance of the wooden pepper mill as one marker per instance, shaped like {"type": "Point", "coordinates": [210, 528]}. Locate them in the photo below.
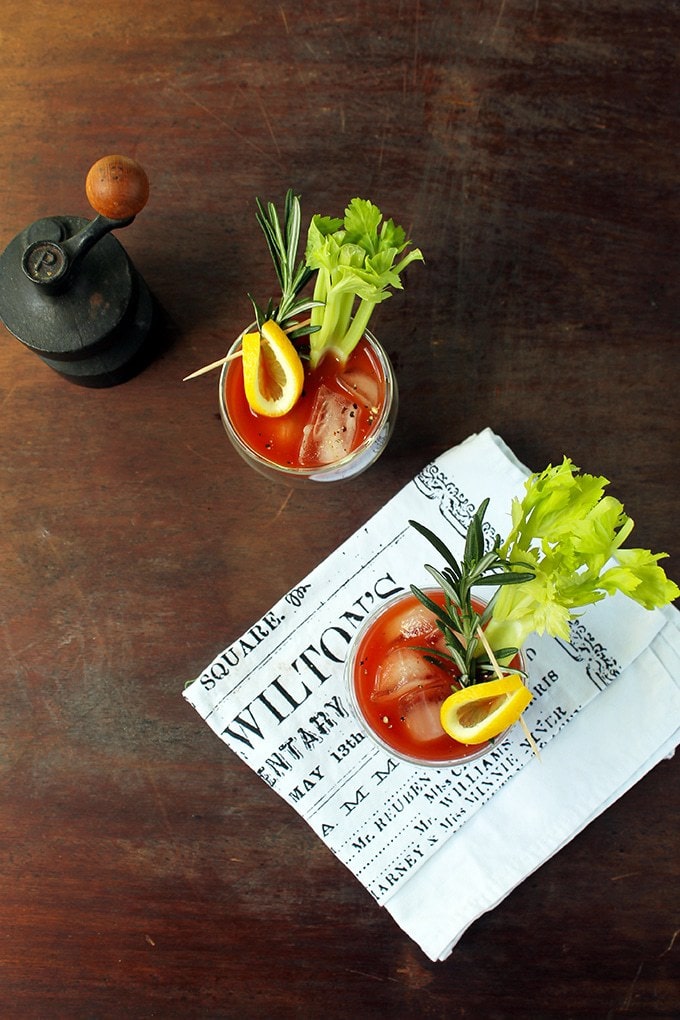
{"type": "Point", "coordinates": [68, 290]}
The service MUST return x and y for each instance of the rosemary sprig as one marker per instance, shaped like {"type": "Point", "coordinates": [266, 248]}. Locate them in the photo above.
{"type": "Point", "coordinates": [458, 619]}
{"type": "Point", "coordinates": [283, 241]}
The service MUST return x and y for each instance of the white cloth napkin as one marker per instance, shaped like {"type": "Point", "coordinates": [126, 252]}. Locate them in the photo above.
{"type": "Point", "coordinates": [439, 847]}
{"type": "Point", "coordinates": [618, 738]}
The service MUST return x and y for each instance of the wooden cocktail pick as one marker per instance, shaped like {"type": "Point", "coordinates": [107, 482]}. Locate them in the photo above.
{"type": "Point", "coordinates": [213, 364]}
{"type": "Point", "coordinates": [499, 673]}
{"type": "Point", "coordinates": [236, 354]}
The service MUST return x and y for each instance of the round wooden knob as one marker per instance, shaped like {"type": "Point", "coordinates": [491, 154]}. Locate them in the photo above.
{"type": "Point", "coordinates": [117, 187]}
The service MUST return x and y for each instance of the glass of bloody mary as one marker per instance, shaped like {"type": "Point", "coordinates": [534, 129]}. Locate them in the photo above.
{"type": "Point", "coordinates": [396, 691]}
{"type": "Point", "coordinates": [337, 429]}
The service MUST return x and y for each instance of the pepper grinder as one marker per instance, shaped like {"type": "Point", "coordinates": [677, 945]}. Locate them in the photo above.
{"type": "Point", "coordinates": [68, 290]}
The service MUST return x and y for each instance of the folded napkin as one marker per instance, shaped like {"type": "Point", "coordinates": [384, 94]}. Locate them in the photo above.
{"type": "Point", "coordinates": [439, 847]}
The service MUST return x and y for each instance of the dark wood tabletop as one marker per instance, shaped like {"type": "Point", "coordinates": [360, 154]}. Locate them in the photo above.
{"type": "Point", "coordinates": [529, 147]}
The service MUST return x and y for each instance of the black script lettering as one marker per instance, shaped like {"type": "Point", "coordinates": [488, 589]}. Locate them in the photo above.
{"type": "Point", "coordinates": [305, 659]}
{"type": "Point", "coordinates": [263, 774]}
{"type": "Point", "coordinates": [396, 806]}
{"type": "Point", "coordinates": [361, 842]}
{"type": "Point", "coordinates": [555, 720]}
{"type": "Point", "coordinates": [252, 727]}
{"type": "Point", "coordinates": [352, 618]}
{"type": "Point", "coordinates": [271, 620]}
{"type": "Point", "coordinates": [259, 632]}
{"type": "Point", "coordinates": [266, 625]}
{"type": "Point", "coordinates": [450, 821]}
{"type": "Point", "coordinates": [399, 870]}
{"type": "Point", "coordinates": [336, 706]}
{"type": "Point", "coordinates": [230, 656]}
{"type": "Point", "coordinates": [497, 766]}
{"type": "Point", "coordinates": [308, 738]}
{"type": "Point", "coordinates": [351, 805]}
{"type": "Point", "coordinates": [381, 775]}
{"type": "Point", "coordinates": [325, 647]}
{"type": "Point", "coordinates": [296, 596]}
{"type": "Point", "coordinates": [308, 783]}
{"type": "Point", "coordinates": [436, 791]}
{"type": "Point", "coordinates": [479, 792]}
{"type": "Point", "coordinates": [278, 764]}
{"type": "Point", "coordinates": [292, 750]}
{"type": "Point", "coordinates": [217, 671]}
{"type": "Point", "coordinates": [239, 720]}
{"type": "Point", "coordinates": [459, 788]}
{"type": "Point", "coordinates": [543, 685]}
{"type": "Point", "coordinates": [383, 821]}
{"type": "Point", "coordinates": [386, 593]}
{"type": "Point", "coordinates": [323, 722]}
{"type": "Point", "coordinates": [286, 695]}
{"type": "Point", "coordinates": [410, 795]}
{"type": "Point", "coordinates": [359, 602]}
{"type": "Point", "coordinates": [220, 668]}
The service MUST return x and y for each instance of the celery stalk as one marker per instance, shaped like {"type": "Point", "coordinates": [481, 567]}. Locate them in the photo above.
{"type": "Point", "coordinates": [354, 259]}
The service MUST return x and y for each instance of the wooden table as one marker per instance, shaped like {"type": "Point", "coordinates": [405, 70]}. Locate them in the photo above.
{"type": "Point", "coordinates": [529, 149]}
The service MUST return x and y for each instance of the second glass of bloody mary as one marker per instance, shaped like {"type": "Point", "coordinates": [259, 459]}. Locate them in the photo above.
{"type": "Point", "coordinates": [337, 429]}
{"type": "Point", "coordinates": [396, 691]}
{"type": "Point", "coordinates": [437, 675]}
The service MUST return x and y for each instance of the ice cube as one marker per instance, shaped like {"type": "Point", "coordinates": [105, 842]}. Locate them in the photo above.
{"type": "Point", "coordinates": [330, 433]}
{"type": "Point", "coordinates": [420, 711]}
{"type": "Point", "coordinates": [414, 623]}
{"type": "Point", "coordinates": [402, 670]}
{"type": "Point", "coordinates": [362, 387]}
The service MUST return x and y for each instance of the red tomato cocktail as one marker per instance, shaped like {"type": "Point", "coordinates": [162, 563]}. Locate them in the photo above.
{"type": "Point", "coordinates": [397, 692]}
{"type": "Point", "coordinates": [337, 428]}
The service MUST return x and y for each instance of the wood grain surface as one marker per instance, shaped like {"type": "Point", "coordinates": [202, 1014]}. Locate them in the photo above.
{"type": "Point", "coordinates": [530, 149]}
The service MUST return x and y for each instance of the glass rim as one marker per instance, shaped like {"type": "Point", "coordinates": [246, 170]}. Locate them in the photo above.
{"type": "Point", "coordinates": [322, 470]}
{"type": "Point", "coordinates": [476, 751]}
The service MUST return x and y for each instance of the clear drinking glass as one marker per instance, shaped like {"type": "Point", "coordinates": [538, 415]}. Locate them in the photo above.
{"type": "Point", "coordinates": [350, 465]}
{"type": "Point", "coordinates": [391, 722]}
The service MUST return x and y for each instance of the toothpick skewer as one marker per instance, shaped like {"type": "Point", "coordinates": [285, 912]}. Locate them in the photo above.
{"type": "Point", "coordinates": [214, 364]}
{"type": "Point", "coordinates": [236, 354]}
{"type": "Point", "coordinates": [497, 669]}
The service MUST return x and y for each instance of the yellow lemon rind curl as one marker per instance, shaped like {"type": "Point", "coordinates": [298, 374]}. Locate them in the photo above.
{"type": "Point", "coordinates": [477, 713]}
{"type": "Point", "coordinates": [273, 374]}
